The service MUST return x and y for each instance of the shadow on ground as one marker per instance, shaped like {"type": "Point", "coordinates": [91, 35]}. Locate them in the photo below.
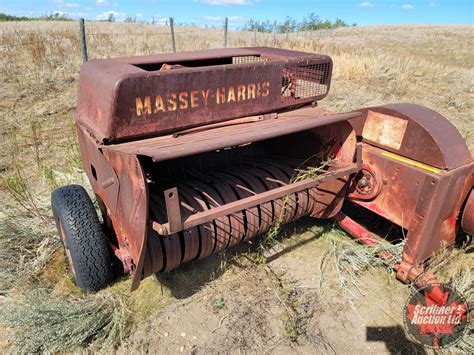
{"type": "Point", "coordinates": [395, 340]}
{"type": "Point", "coordinates": [189, 278]}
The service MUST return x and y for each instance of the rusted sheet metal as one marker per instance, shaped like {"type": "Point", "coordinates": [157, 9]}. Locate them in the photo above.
{"type": "Point", "coordinates": [414, 132]}
{"type": "Point", "coordinates": [341, 142]}
{"type": "Point", "coordinates": [99, 171]}
{"type": "Point", "coordinates": [396, 190]}
{"type": "Point", "coordinates": [191, 56]}
{"type": "Point", "coordinates": [170, 147]}
{"type": "Point", "coordinates": [119, 181]}
{"type": "Point", "coordinates": [124, 98]}
{"type": "Point", "coordinates": [467, 221]}
{"type": "Point", "coordinates": [422, 173]}
{"type": "Point", "coordinates": [130, 220]}
{"type": "Point", "coordinates": [220, 53]}
{"type": "Point", "coordinates": [425, 203]}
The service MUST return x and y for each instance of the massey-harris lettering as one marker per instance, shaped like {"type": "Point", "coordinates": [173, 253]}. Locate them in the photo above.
{"type": "Point", "coordinates": [196, 98]}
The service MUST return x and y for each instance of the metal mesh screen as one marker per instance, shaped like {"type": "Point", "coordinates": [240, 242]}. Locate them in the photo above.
{"type": "Point", "coordinates": [305, 81]}
{"type": "Point", "coordinates": [246, 59]}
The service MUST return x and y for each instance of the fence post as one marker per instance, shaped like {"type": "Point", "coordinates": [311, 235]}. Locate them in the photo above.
{"type": "Point", "coordinates": [226, 26]}
{"type": "Point", "coordinates": [255, 36]}
{"type": "Point", "coordinates": [274, 31]}
{"type": "Point", "coordinates": [82, 28]}
{"type": "Point", "coordinates": [173, 40]}
{"type": "Point", "coordinates": [287, 33]}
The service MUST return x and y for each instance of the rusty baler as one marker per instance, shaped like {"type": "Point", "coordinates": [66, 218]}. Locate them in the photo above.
{"type": "Point", "coordinates": [192, 153]}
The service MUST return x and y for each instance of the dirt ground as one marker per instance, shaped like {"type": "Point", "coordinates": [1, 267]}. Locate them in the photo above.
{"type": "Point", "coordinates": [245, 307]}
{"type": "Point", "coordinates": [231, 304]}
{"type": "Point", "coordinates": [297, 301]}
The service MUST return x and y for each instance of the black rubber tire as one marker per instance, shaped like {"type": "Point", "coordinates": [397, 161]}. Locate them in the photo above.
{"type": "Point", "coordinates": [84, 241]}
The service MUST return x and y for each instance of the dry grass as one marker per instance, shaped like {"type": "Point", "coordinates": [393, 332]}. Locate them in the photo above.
{"type": "Point", "coordinates": [26, 246]}
{"type": "Point", "coordinates": [39, 65]}
{"type": "Point", "coordinates": [349, 260]}
{"type": "Point", "coordinates": [47, 323]}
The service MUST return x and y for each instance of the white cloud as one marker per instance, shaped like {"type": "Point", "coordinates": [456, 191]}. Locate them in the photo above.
{"type": "Point", "coordinates": [119, 16]}
{"type": "Point", "coordinates": [102, 3]}
{"type": "Point", "coordinates": [366, 4]}
{"type": "Point", "coordinates": [221, 18]}
{"type": "Point", "coordinates": [161, 20]}
{"type": "Point", "coordinates": [72, 5]}
{"type": "Point", "coordinates": [213, 18]}
{"type": "Point", "coordinates": [432, 3]}
{"type": "Point", "coordinates": [407, 6]}
{"type": "Point", "coordinates": [227, 2]}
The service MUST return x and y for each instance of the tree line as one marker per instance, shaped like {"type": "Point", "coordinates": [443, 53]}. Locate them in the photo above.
{"type": "Point", "coordinates": [312, 22]}
{"type": "Point", "coordinates": [53, 16]}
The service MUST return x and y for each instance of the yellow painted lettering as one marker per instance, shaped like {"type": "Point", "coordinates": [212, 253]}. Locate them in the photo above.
{"type": "Point", "coordinates": [240, 92]}
{"type": "Point", "coordinates": [251, 91]}
{"type": "Point", "coordinates": [220, 95]}
{"type": "Point", "coordinates": [205, 95]}
{"type": "Point", "coordinates": [194, 98]}
{"type": "Point", "coordinates": [231, 94]}
{"type": "Point", "coordinates": [159, 105]}
{"type": "Point", "coordinates": [172, 105]}
{"type": "Point", "coordinates": [143, 107]}
{"type": "Point", "coordinates": [183, 100]}
{"type": "Point", "coordinates": [265, 88]}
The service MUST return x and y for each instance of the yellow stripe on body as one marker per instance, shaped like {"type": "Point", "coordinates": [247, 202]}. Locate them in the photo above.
{"type": "Point", "coordinates": [411, 162]}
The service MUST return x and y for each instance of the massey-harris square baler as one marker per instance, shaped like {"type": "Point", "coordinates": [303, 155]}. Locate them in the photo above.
{"type": "Point", "coordinates": [192, 153]}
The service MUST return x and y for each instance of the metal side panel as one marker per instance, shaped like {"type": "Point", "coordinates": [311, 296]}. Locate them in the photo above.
{"type": "Point", "coordinates": [130, 220]}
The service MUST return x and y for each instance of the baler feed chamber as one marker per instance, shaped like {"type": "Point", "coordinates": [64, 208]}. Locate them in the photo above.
{"type": "Point", "coordinates": [202, 201]}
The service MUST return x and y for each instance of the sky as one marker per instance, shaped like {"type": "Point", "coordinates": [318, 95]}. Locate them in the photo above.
{"type": "Point", "coordinates": [212, 12]}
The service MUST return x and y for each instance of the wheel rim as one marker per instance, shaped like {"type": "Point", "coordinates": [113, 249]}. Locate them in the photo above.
{"type": "Point", "coordinates": [66, 249]}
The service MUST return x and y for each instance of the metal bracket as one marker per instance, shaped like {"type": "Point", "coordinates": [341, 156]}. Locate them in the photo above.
{"type": "Point", "coordinates": [359, 161]}
{"type": "Point", "coordinates": [175, 223]}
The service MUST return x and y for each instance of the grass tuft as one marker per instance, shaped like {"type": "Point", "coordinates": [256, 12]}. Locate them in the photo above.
{"type": "Point", "coordinates": [43, 322]}
{"type": "Point", "coordinates": [462, 282]}
{"type": "Point", "coordinates": [349, 260]}
{"type": "Point", "coordinates": [26, 245]}
{"type": "Point", "coordinates": [301, 174]}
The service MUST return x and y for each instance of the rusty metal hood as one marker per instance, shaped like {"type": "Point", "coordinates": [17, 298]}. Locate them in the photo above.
{"type": "Point", "coordinates": [129, 98]}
